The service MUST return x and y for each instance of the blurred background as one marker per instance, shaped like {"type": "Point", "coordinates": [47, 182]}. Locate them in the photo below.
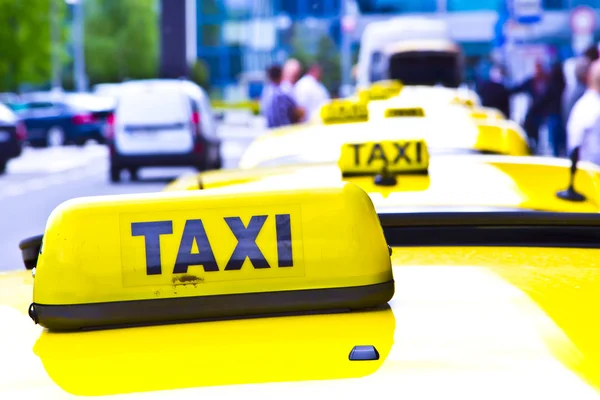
{"type": "Point", "coordinates": [62, 64]}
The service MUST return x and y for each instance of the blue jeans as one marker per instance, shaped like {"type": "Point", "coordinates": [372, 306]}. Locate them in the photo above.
{"type": "Point", "coordinates": [556, 132]}
{"type": "Point", "coordinates": [557, 135]}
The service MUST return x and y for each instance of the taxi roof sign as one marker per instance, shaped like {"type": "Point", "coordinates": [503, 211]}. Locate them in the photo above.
{"type": "Point", "coordinates": [404, 112]}
{"type": "Point", "coordinates": [393, 156]}
{"type": "Point", "coordinates": [176, 256]}
{"type": "Point", "coordinates": [381, 90]}
{"type": "Point", "coordinates": [344, 111]}
{"type": "Point", "coordinates": [463, 102]}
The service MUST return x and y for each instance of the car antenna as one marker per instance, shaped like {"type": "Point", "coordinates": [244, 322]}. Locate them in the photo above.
{"type": "Point", "coordinates": [570, 194]}
{"type": "Point", "coordinates": [385, 178]}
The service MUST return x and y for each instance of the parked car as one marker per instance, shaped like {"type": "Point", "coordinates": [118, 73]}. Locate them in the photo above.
{"type": "Point", "coordinates": [59, 119]}
{"type": "Point", "coordinates": [12, 135]}
{"type": "Point", "coordinates": [162, 123]}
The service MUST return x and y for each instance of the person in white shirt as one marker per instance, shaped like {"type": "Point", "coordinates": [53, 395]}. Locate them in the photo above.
{"type": "Point", "coordinates": [291, 73]}
{"type": "Point", "coordinates": [583, 127]}
{"type": "Point", "coordinates": [310, 93]}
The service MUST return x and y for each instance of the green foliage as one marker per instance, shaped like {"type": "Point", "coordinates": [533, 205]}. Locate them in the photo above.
{"type": "Point", "coordinates": [327, 55]}
{"type": "Point", "coordinates": [121, 40]}
{"type": "Point", "coordinates": [200, 74]}
{"type": "Point", "coordinates": [25, 42]}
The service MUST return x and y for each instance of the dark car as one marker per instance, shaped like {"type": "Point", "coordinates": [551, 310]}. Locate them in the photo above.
{"type": "Point", "coordinates": [65, 119]}
{"type": "Point", "coordinates": [12, 135]}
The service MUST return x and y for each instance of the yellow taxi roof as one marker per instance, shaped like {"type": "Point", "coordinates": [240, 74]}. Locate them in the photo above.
{"type": "Point", "coordinates": [442, 128]}
{"type": "Point", "coordinates": [473, 322]}
{"type": "Point", "coordinates": [452, 182]}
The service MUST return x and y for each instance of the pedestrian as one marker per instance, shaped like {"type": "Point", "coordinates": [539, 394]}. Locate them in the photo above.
{"type": "Point", "coordinates": [582, 65]}
{"type": "Point", "coordinates": [292, 70]}
{"type": "Point", "coordinates": [579, 74]}
{"type": "Point", "coordinates": [493, 92]}
{"type": "Point", "coordinates": [280, 109]}
{"type": "Point", "coordinates": [535, 87]}
{"type": "Point", "coordinates": [310, 93]}
{"type": "Point", "coordinates": [551, 109]}
{"type": "Point", "coordinates": [583, 127]}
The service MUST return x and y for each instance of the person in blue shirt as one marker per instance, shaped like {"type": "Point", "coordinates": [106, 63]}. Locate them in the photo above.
{"type": "Point", "coordinates": [279, 108]}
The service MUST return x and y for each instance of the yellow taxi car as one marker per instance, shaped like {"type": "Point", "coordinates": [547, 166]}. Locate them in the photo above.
{"type": "Point", "coordinates": [450, 128]}
{"type": "Point", "coordinates": [405, 174]}
{"type": "Point", "coordinates": [302, 291]}
{"type": "Point", "coordinates": [393, 92]}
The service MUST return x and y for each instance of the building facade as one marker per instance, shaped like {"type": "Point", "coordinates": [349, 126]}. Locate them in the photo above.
{"type": "Point", "coordinates": [239, 38]}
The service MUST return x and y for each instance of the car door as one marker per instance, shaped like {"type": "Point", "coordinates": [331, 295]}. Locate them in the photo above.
{"type": "Point", "coordinates": [40, 116]}
{"type": "Point", "coordinates": [208, 124]}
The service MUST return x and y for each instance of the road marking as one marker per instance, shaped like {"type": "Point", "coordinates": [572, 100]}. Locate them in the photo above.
{"type": "Point", "coordinates": [35, 184]}
{"type": "Point", "coordinates": [54, 160]}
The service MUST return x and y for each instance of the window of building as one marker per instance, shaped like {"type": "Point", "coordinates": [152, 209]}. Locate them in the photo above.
{"type": "Point", "coordinates": [473, 5]}
{"type": "Point", "coordinates": [395, 6]}
{"type": "Point", "coordinates": [211, 35]}
{"type": "Point", "coordinates": [210, 7]}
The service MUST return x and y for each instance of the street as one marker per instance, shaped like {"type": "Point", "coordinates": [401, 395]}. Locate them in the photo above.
{"type": "Point", "coordinates": [41, 179]}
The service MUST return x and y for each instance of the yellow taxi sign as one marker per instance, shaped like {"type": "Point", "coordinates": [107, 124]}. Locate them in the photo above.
{"type": "Point", "coordinates": [381, 90]}
{"type": "Point", "coordinates": [463, 102]}
{"type": "Point", "coordinates": [344, 111]}
{"type": "Point", "coordinates": [209, 254]}
{"type": "Point", "coordinates": [487, 113]}
{"type": "Point", "coordinates": [396, 156]}
{"type": "Point", "coordinates": [404, 112]}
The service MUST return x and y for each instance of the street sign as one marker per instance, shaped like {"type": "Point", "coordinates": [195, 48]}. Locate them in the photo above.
{"type": "Point", "coordinates": [526, 11]}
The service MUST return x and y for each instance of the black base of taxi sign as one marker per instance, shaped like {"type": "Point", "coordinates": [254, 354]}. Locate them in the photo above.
{"type": "Point", "coordinates": [206, 308]}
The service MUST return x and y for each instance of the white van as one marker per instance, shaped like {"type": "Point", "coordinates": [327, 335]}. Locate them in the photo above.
{"type": "Point", "coordinates": [414, 50]}
{"type": "Point", "coordinates": [162, 123]}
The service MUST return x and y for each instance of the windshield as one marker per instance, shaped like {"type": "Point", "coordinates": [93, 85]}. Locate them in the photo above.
{"type": "Point", "coordinates": [425, 68]}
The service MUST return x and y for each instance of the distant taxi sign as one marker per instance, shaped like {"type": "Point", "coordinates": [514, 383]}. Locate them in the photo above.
{"type": "Point", "coordinates": [381, 90]}
{"type": "Point", "coordinates": [396, 156]}
{"type": "Point", "coordinates": [404, 112]}
{"type": "Point", "coordinates": [176, 256]}
{"type": "Point", "coordinates": [344, 111]}
{"type": "Point", "coordinates": [463, 102]}
{"type": "Point", "coordinates": [487, 113]}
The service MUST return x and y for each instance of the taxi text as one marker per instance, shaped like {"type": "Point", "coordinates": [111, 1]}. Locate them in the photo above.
{"type": "Point", "coordinates": [396, 156]}
{"type": "Point", "coordinates": [194, 232]}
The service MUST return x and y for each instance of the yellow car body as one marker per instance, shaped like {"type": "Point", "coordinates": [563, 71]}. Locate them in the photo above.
{"type": "Point", "coordinates": [468, 322]}
{"type": "Point", "coordinates": [448, 132]}
{"type": "Point", "coordinates": [474, 181]}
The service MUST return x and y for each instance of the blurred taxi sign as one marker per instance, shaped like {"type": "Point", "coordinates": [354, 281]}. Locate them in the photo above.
{"type": "Point", "coordinates": [381, 90]}
{"type": "Point", "coordinates": [396, 156]}
{"type": "Point", "coordinates": [404, 112]}
{"type": "Point", "coordinates": [344, 111]}
{"type": "Point", "coordinates": [463, 102]}
{"type": "Point", "coordinates": [487, 113]}
{"type": "Point", "coordinates": [176, 256]}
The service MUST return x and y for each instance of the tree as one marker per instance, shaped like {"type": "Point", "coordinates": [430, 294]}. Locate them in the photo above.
{"type": "Point", "coordinates": [327, 55]}
{"type": "Point", "coordinates": [121, 40]}
{"type": "Point", "coordinates": [200, 74]}
{"type": "Point", "coordinates": [25, 42]}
